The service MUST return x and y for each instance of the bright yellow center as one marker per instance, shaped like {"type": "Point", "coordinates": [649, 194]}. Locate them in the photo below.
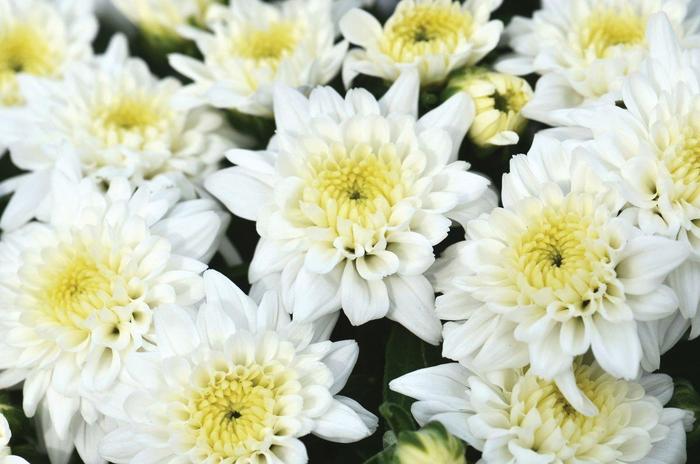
{"type": "Point", "coordinates": [130, 114]}
{"type": "Point", "coordinates": [567, 251]}
{"type": "Point", "coordinates": [268, 45]}
{"type": "Point", "coordinates": [355, 185]}
{"type": "Point", "coordinates": [73, 289]}
{"type": "Point", "coordinates": [581, 432]}
{"type": "Point", "coordinates": [23, 49]}
{"type": "Point", "coordinates": [684, 166]}
{"type": "Point", "coordinates": [606, 29]}
{"type": "Point", "coordinates": [235, 410]}
{"type": "Point", "coordinates": [425, 29]}
{"type": "Point", "coordinates": [133, 120]}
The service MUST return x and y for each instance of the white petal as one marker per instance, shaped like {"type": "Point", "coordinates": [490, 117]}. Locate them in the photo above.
{"type": "Point", "coordinates": [341, 424]}
{"type": "Point", "coordinates": [412, 304]}
{"type": "Point", "coordinates": [175, 331]}
{"type": "Point", "coordinates": [362, 300]}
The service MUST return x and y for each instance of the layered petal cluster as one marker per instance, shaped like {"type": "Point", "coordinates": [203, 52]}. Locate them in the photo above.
{"type": "Point", "coordinates": [554, 273]}
{"type": "Point", "coordinates": [517, 417]}
{"type": "Point", "coordinates": [120, 120]}
{"type": "Point", "coordinates": [235, 383]}
{"type": "Point", "coordinates": [41, 38]}
{"type": "Point", "coordinates": [651, 149]}
{"type": "Point", "coordinates": [251, 45]}
{"type": "Point", "coordinates": [350, 198]}
{"type": "Point", "coordinates": [583, 49]}
{"type": "Point", "coordinates": [433, 36]}
{"type": "Point", "coordinates": [78, 291]}
{"type": "Point", "coordinates": [6, 456]}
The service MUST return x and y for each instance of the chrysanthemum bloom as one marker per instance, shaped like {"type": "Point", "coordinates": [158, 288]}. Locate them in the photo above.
{"type": "Point", "coordinates": [434, 36]}
{"type": "Point", "coordinates": [583, 49]}
{"type": "Point", "coordinates": [40, 38]}
{"type": "Point", "coordinates": [499, 99]}
{"type": "Point", "coordinates": [350, 198]}
{"type": "Point", "coordinates": [119, 119]}
{"type": "Point", "coordinates": [78, 290]}
{"type": "Point", "coordinates": [429, 445]}
{"type": "Point", "coordinates": [652, 150]}
{"type": "Point", "coordinates": [235, 383]}
{"type": "Point", "coordinates": [519, 418]}
{"type": "Point", "coordinates": [553, 274]}
{"type": "Point", "coordinates": [253, 45]}
{"type": "Point", "coordinates": [160, 19]}
{"type": "Point", "coordinates": [6, 456]}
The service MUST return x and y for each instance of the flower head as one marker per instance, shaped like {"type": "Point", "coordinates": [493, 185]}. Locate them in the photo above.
{"type": "Point", "coordinates": [40, 38]}
{"type": "Point", "coordinates": [434, 36]}
{"type": "Point", "coordinates": [350, 198]}
{"type": "Point", "coordinates": [120, 120]}
{"type": "Point", "coordinates": [651, 151]}
{"type": "Point", "coordinates": [554, 273]}
{"type": "Point", "coordinates": [235, 383]}
{"type": "Point", "coordinates": [79, 289]}
{"type": "Point", "coordinates": [518, 417]}
{"type": "Point", "coordinates": [499, 99]}
{"type": "Point", "coordinates": [584, 49]}
{"type": "Point", "coordinates": [253, 45]}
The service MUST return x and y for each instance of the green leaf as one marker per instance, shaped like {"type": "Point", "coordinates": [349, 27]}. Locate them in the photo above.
{"type": "Point", "coordinates": [385, 457]}
{"type": "Point", "coordinates": [405, 353]}
{"type": "Point", "coordinates": [397, 417]}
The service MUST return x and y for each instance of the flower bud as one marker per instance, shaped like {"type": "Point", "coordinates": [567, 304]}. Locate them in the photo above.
{"type": "Point", "coordinates": [430, 445]}
{"type": "Point", "coordinates": [498, 100]}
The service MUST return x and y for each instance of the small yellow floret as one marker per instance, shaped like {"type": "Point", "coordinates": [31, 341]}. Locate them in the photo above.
{"type": "Point", "coordinates": [608, 28]}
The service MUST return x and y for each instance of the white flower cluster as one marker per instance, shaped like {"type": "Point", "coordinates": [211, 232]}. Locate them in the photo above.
{"type": "Point", "coordinates": [555, 308]}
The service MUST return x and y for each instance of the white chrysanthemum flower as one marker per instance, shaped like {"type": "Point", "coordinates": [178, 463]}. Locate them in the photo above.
{"type": "Point", "coordinates": [235, 383]}
{"type": "Point", "coordinates": [498, 99]}
{"type": "Point", "coordinates": [583, 49]}
{"type": "Point", "coordinates": [518, 418]}
{"type": "Point", "coordinates": [6, 456]}
{"type": "Point", "coordinates": [162, 18]}
{"type": "Point", "coordinates": [40, 38]}
{"type": "Point", "coordinates": [652, 150]}
{"type": "Point", "coordinates": [434, 36]}
{"type": "Point", "coordinates": [253, 45]}
{"type": "Point", "coordinates": [350, 198]}
{"type": "Point", "coordinates": [78, 289]}
{"type": "Point", "coordinates": [553, 273]}
{"type": "Point", "coordinates": [121, 122]}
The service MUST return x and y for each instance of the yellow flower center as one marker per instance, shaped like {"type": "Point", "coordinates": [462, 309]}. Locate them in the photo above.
{"type": "Point", "coordinates": [23, 49]}
{"type": "Point", "coordinates": [580, 432]}
{"type": "Point", "coordinates": [606, 29]}
{"type": "Point", "coordinates": [235, 410]}
{"type": "Point", "coordinates": [133, 120]}
{"type": "Point", "coordinates": [683, 164]}
{"type": "Point", "coordinates": [566, 250]}
{"type": "Point", "coordinates": [425, 29]}
{"type": "Point", "coordinates": [355, 185]}
{"type": "Point", "coordinates": [130, 114]}
{"type": "Point", "coordinates": [268, 45]}
{"type": "Point", "coordinates": [74, 288]}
